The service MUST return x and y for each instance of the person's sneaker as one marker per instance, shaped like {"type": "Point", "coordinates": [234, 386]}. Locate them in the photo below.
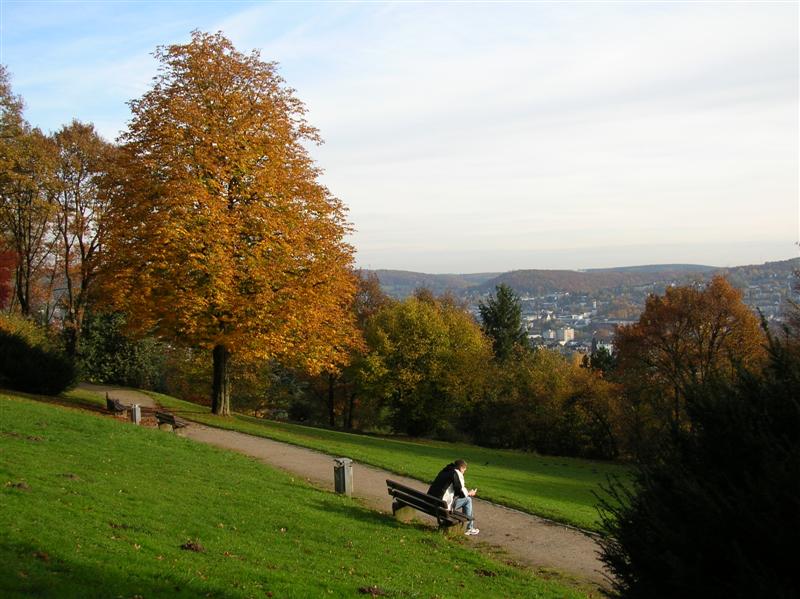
{"type": "Point", "coordinates": [472, 531]}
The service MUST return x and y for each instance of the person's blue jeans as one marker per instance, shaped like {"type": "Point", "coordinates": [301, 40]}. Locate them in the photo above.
{"type": "Point", "coordinates": [465, 505]}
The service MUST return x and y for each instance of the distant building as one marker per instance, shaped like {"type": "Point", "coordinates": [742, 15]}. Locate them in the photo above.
{"type": "Point", "coordinates": [565, 335]}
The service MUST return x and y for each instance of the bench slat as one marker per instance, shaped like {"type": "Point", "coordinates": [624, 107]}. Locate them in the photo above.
{"type": "Point", "coordinates": [419, 504]}
{"type": "Point", "coordinates": [414, 492]}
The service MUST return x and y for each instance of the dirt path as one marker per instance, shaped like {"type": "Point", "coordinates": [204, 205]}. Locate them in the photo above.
{"type": "Point", "coordinates": [527, 539]}
{"type": "Point", "coordinates": [125, 396]}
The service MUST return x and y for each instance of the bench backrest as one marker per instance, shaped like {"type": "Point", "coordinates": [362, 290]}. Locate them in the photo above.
{"type": "Point", "coordinates": [417, 499]}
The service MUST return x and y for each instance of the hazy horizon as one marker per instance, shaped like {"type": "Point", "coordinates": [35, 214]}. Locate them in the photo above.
{"type": "Point", "coordinates": [608, 267]}
{"type": "Point", "coordinates": [487, 137]}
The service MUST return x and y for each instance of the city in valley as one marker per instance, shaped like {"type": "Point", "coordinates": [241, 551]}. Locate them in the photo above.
{"type": "Point", "coordinates": [577, 311]}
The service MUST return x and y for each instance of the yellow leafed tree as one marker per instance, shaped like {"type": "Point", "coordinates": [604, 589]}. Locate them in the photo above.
{"type": "Point", "coordinates": [221, 235]}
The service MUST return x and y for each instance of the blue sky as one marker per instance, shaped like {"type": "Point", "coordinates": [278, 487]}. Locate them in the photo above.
{"type": "Point", "coordinates": [469, 137]}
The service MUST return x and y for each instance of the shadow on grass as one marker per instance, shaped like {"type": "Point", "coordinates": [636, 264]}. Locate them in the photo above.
{"type": "Point", "coordinates": [371, 518]}
{"type": "Point", "coordinates": [67, 402]}
{"type": "Point", "coordinates": [28, 571]}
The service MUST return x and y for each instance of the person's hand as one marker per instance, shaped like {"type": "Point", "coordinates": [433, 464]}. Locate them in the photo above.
{"type": "Point", "coordinates": [473, 492]}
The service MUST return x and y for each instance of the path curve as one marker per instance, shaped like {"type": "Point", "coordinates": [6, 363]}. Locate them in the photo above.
{"type": "Point", "coordinates": [527, 539]}
{"type": "Point", "coordinates": [125, 396]}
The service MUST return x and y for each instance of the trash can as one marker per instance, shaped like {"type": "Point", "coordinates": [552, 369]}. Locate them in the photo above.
{"type": "Point", "coordinates": [343, 475]}
{"type": "Point", "coordinates": [136, 413]}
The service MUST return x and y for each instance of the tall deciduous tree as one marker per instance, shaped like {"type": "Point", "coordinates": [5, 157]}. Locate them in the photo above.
{"type": "Point", "coordinates": [221, 234]}
{"type": "Point", "coordinates": [501, 316]}
{"type": "Point", "coordinates": [27, 194]}
{"type": "Point", "coordinates": [81, 208]}
{"type": "Point", "coordinates": [27, 188]}
{"type": "Point", "coordinates": [684, 339]}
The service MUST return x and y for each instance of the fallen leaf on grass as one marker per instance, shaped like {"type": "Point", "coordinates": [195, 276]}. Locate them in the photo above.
{"type": "Point", "coordinates": [372, 591]}
{"type": "Point", "coordinates": [193, 546]}
{"type": "Point", "coordinates": [21, 485]}
{"type": "Point", "coordinates": [42, 556]}
{"type": "Point", "coordinates": [482, 572]}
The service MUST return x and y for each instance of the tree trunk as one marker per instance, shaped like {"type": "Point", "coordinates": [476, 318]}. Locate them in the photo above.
{"type": "Point", "coordinates": [221, 393]}
{"type": "Point", "coordinates": [70, 339]}
{"type": "Point", "coordinates": [331, 406]}
{"type": "Point", "coordinates": [351, 406]}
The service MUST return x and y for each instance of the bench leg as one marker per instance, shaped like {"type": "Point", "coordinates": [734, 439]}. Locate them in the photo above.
{"type": "Point", "coordinates": [403, 513]}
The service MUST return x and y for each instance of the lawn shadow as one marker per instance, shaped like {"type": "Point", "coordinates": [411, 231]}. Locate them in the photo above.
{"type": "Point", "coordinates": [28, 571]}
{"type": "Point", "coordinates": [367, 516]}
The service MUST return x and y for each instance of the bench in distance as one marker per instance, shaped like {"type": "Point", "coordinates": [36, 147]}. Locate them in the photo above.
{"type": "Point", "coordinates": [165, 419]}
{"type": "Point", "coordinates": [113, 405]}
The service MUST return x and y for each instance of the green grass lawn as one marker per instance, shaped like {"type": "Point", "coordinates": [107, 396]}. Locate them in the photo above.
{"type": "Point", "coordinates": [94, 507]}
{"type": "Point", "coordinates": [85, 397]}
{"type": "Point", "coordinates": [557, 488]}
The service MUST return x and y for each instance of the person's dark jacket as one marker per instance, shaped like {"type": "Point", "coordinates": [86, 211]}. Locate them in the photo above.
{"type": "Point", "coordinates": [448, 476]}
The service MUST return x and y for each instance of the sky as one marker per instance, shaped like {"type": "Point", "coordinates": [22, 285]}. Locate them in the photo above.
{"type": "Point", "coordinates": [486, 137]}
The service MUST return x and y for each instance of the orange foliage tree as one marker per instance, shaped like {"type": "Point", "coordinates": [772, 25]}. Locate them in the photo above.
{"type": "Point", "coordinates": [221, 235]}
{"type": "Point", "coordinates": [684, 339]}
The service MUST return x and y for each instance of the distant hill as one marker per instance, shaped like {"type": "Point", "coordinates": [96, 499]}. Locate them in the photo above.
{"type": "Point", "coordinates": [400, 284]}
{"type": "Point", "coordinates": [658, 268]}
{"type": "Point", "coordinates": [543, 282]}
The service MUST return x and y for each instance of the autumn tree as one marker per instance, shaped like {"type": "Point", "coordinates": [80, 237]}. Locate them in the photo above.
{"type": "Point", "coordinates": [27, 161]}
{"type": "Point", "coordinates": [543, 402]}
{"type": "Point", "coordinates": [27, 194]}
{"type": "Point", "coordinates": [342, 390]}
{"type": "Point", "coordinates": [221, 235]}
{"type": "Point", "coordinates": [501, 318]}
{"type": "Point", "coordinates": [8, 262]}
{"type": "Point", "coordinates": [81, 207]}
{"type": "Point", "coordinates": [687, 337]}
{"type": "Point", "coordinates": [426, 361]}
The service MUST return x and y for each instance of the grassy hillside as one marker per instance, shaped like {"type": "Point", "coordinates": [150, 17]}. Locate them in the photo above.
{"type": "Point", "coordinates": [561, 489]}
{"type": "Point", "coordinates": [92, 507]}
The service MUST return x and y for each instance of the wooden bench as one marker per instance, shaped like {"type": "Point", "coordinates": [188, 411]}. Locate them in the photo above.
{"type": "Point", "coordinates": [113, 405]}
{"type": "Point", "coordinates": [406, 500]}
{"type": "Point", "coordinates": [167, 419]}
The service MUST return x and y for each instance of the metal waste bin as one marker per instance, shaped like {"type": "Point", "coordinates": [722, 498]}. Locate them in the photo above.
{"type": "Point", "coordinates": [343, 475]}
{"type": "Point", "coordinates": [136, 413]}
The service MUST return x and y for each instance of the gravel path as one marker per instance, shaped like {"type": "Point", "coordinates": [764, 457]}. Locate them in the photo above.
{"type": "Point", "coordinates": [524, 538]}
{"type": "Point", "coordinates": [125, 396]}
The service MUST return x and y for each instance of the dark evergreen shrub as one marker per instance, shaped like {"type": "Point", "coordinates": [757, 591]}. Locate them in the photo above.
{"type": "Point", "coordinates": [33, 368]}
{"type": "Point", "coordinates": [717, 514]}
{"type": "Point", "coordinates": [108, 355]}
